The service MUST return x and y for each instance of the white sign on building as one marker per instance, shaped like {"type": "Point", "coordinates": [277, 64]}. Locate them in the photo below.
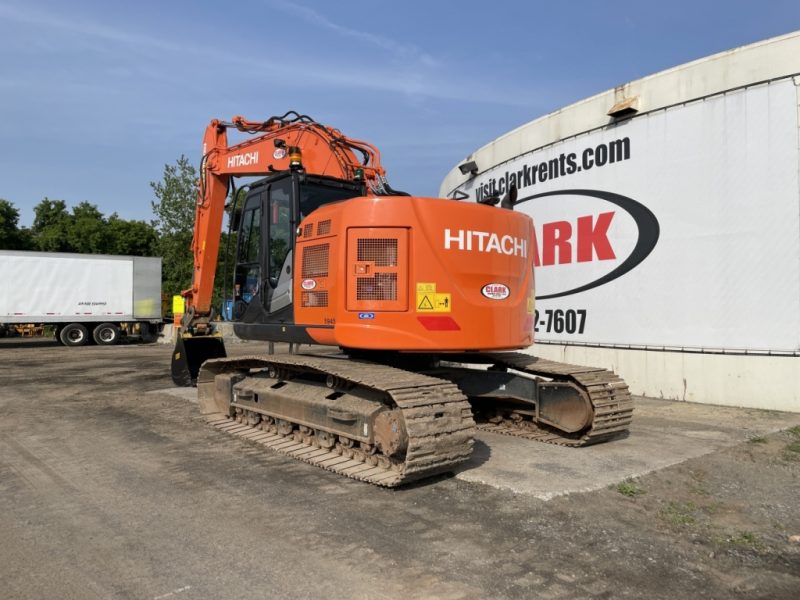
{"type": "Point", "coordinates": [679, 228]}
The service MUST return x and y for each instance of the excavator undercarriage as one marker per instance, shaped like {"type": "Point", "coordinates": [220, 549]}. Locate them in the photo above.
{"type": "Point", "coordinates": [367, 421]}
{"type": "Point", "coordinates": [389, 426]}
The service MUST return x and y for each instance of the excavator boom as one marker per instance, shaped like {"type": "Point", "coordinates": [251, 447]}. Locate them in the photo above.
{"type": "Point", "coordinates": [279, 143]}
{"type": "Point", "coordinates": [324, 151]}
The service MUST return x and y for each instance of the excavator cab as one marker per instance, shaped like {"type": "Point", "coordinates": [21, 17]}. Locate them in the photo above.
{"type": "Point", "coordinates": [263, 309]}
{"type": "Point", "coordinates": [273, 211]}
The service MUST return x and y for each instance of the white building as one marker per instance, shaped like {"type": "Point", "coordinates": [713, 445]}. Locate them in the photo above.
{"type": "Point", "coordinates": [667, 213]}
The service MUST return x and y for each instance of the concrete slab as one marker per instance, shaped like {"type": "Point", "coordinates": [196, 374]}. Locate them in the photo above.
{"type": "Point", "coordinates": [663, 433]}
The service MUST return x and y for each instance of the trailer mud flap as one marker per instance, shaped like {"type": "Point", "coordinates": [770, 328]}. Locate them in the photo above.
{"type": "Point", "coordinates": [189, 355]}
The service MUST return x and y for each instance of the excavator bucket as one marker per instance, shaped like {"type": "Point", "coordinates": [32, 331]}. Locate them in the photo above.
{"type": "Point", "coordinates": [189, 355]}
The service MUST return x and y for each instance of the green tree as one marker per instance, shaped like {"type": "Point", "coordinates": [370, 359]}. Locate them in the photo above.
{"type": "Point", "coordinates": [174, 223]}
{"type": "Point", "coordinates": [135, 238]}
{"type": "Point", "coordinates": [87, 230]}
{"type": "Point", "coordinates": [51, 226]}
{"type": "Point", "coordinates": [174, 210]}
{"type": "Point", "coordinates": [11, 236]}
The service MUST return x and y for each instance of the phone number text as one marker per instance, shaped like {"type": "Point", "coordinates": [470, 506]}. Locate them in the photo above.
{"type": "Point", "coordinates": [559, 321]}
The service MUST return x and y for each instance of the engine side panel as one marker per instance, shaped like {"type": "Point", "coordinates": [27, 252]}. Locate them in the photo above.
{"type": "Point", "coordinates": [415, 274]}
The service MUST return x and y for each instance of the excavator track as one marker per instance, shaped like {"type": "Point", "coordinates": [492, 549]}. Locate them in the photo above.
{"type": "Point", "coordinates": [437, 417]}
{"type": "Point", "coordinates": [612, 405]}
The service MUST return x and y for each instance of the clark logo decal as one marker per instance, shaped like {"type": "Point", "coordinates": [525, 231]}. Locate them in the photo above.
{"type": "Point", "coordinates": [495, 291]}
{"type": "Point", "coordinates": [587, 238]}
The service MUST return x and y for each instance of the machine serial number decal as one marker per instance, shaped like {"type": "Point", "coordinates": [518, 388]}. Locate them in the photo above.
{"type": "Point", "coordinates": [560, 321]}
{"type": "Point", "coordinates": [429, 300]}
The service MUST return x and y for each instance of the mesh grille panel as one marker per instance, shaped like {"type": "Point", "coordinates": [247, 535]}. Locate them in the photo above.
{"type": "Point", "coordinates": [381, 251]}
{"type": "Point", "coordinates": [383, 286]}
{"type": "Point", "coordinates": [377, 269]}
{"type": "Point", "coordinates": [324, 227]}
{"type": "Point", "coordinates": [307, 230]}
{"type": "Point", "coordinates": [315, 261]}
{"type": "Point", "coordinates": [314, 299]}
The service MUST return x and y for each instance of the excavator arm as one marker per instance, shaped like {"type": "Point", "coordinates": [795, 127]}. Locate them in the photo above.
{"type": "Point", "coordinates": [291, 141]}
{"type": "Point", "coordinates": [280, 144]}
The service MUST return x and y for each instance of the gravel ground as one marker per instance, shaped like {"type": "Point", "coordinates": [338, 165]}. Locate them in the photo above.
{"type": "Point", "coordinates": [108, 490]}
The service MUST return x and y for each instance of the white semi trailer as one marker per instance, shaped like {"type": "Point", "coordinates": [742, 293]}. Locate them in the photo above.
{"type": "Point", "coordinates": [85, 296]}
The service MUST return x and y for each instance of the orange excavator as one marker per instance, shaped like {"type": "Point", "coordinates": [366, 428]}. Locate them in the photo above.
{"type": "Point", "coordinates": [424, 301]}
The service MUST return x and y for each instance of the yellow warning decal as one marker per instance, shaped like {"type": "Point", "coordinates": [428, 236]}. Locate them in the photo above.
{"type": "Point", "coordinates": [424, 301]}
{"type": "Point", "coordinates": [530, 305]}
{"type": "Point", "coordinates": [428, 300]}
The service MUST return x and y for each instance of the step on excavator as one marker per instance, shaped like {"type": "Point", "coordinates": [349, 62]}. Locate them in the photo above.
{"type": "Point", "coordinates": [425, 304]}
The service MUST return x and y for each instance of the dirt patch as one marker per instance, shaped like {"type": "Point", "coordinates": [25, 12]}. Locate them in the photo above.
{"type": "Point", "coordinates": [107, 490]}
{"type": "Point", "coordinates": [731, 517]}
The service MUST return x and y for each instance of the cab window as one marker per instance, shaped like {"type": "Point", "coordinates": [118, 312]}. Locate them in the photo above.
{"type": "Point", "coordinates": [280, 228]}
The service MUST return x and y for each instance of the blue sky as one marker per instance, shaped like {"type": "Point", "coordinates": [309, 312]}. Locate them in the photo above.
{"type": "Point", "coordinates": [97, 96]}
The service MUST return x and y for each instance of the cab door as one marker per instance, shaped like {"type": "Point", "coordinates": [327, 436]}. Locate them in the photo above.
{"type": "Point", "coordinates": [278, 247]}
{"type": "Point", "coordinates": [263, 276]}
{"type": "Point", "coordinates": [247, 283]}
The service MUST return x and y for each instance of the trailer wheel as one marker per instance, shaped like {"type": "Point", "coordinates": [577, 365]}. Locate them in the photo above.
{"type": "Point", "coordinates": [147, 333]}
{"type": "Point", "coordinates": [106, 334]}
{"type": "Point", "coordinates": [74, 334]}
